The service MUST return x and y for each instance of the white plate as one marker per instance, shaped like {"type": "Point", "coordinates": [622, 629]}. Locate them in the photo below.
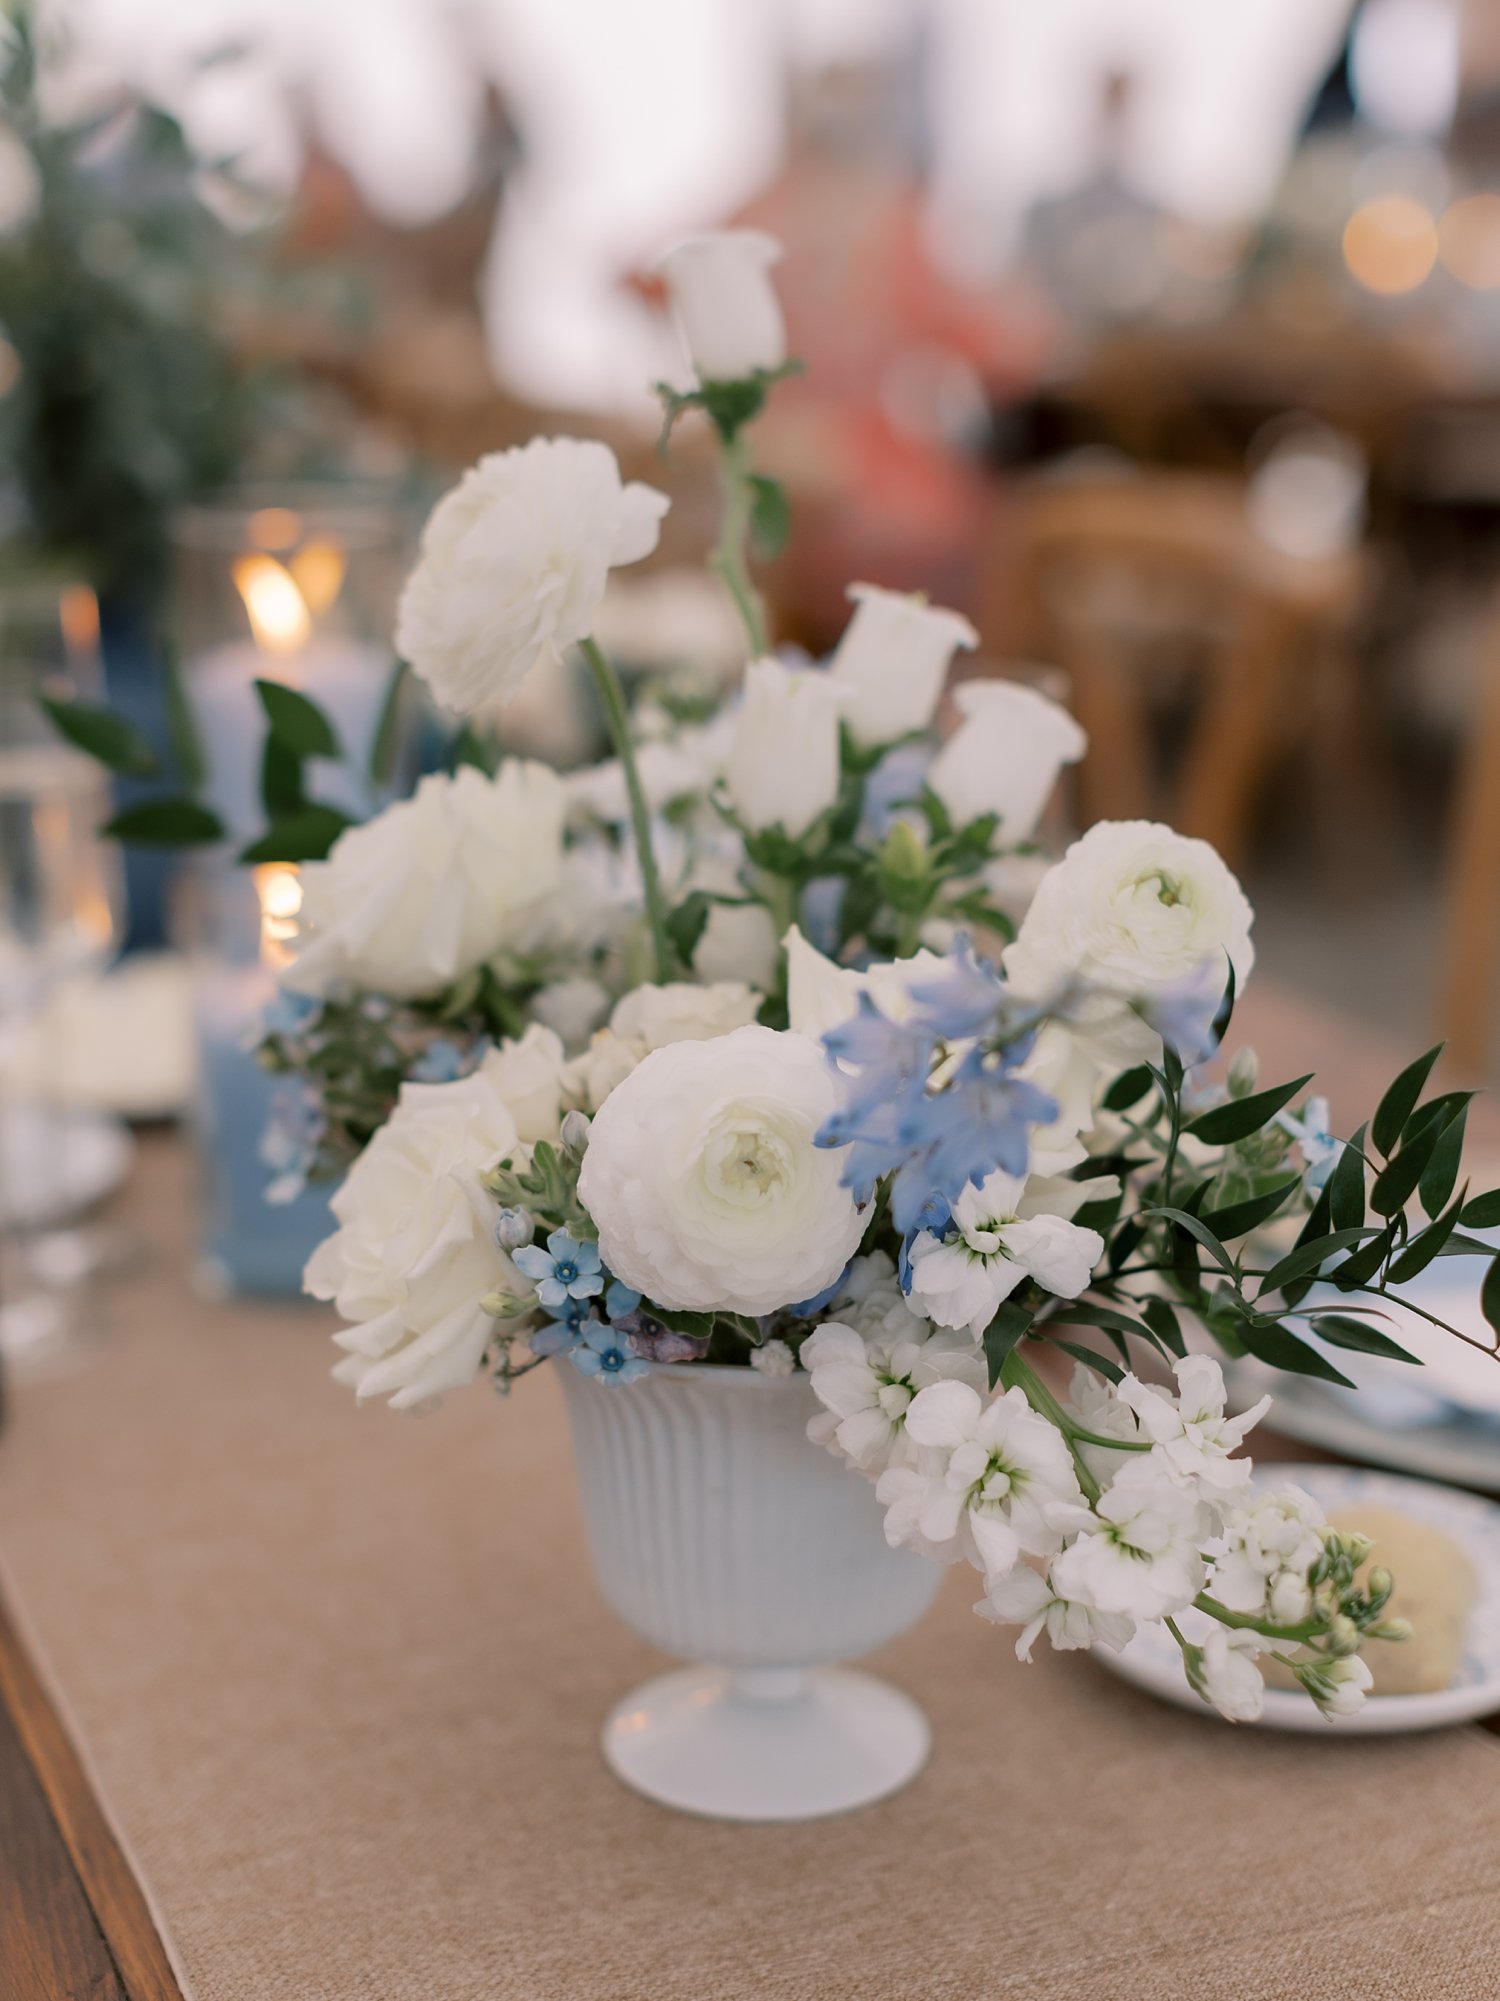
{"type": "Point", "coordinates": [1152, 1660]}
{"type": "Point", "coordinates": [1445, 1444]}
{"type": "Point", "coordinates": [55, 1166]}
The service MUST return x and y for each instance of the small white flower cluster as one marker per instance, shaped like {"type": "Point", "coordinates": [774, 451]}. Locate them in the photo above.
{"type": "Point", "coordinates": [1085, 1521]}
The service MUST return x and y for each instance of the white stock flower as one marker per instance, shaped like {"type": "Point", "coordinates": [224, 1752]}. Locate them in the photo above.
{"type": "Point", "coordinates": [1339, 1687]}
{"type": "Point", "coordinates": [865, 1381]}
{"type": "Point", "coordinates": [1006, 1230]}
{"type": "Point", "coordinates": [783, 764]}
{"type": "Point", "coordinates": [513, 565]}
{"type": "Point", "coordinates": [1023, 1597]}
{"type": "Point", "coordinates": [415, 1250]}
{"type": "Point", "coordinates": [724, 303]}
{"type": "Point", "coordinates": [986, 1489]}
{"type": "Point", "coordinates": [705, 1182]}
{"type": "Point", "coordinates": [1190, 1432]}
{"type": "Point", "coordinates": [1005, 756]}
{"type": "Point", "coordinates": [1228, 1676]}
{"type": "Point", "coordinates": [528, 1075]}
{"type": "Point", "coordinates": [890, 665]}
{"type": "Point", "coordinates": [1138, 1552]}
{"type": "Point", "coordinates": [1268, 1547]}
{"type": "Point", "coordinates": [433, 886]}
{"type": "Point", "coordinates": [773, 1358]}
{"type": "Point", "coordinates": [1138, 911]}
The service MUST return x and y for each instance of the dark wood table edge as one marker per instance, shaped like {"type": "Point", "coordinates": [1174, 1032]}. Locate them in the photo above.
{"type": "Point", "coordinates": [100, 1866]}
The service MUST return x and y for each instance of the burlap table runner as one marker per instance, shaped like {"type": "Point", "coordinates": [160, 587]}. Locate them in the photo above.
{"type": "Point", "coordinates": [338, 1677]}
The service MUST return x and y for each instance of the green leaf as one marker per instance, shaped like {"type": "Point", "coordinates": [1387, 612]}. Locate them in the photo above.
{"type": "Point", "coordinates": [105, 735]}
{"type": "Point", "coordinates": [182, 727]}
{"type": "Point", "coordinates": [699, 1326]}
{"type": "Point", "coordinates": [1361, 1266]}
{"type": "Point", "coordinates": [1285, 1350]}
{"type": "Point", "coordinates": [1440, 1177]}
{"type": "Point", "coordinates": [1090, 1360]}
{"type": "Point", "coordinates": [281, 778]}
{"type": "Point", "coordinates": [1237, 1219]}
{"type": "Point", "coordinates": [1225, 1014]}
{"type": "Point", "coordinates": [471, 747]}
{"type": "Point", "coordinates": [1307, 1258]}
{"type": "Point", "coordinates": [1400, 1100]}
{"type": "Point", "coordinates": [770, 515]}
{"type": "Point", "coordinates": [1396, 1182]}
{"type": "Point", "coordinates": [1346, 1185]}
{"type": "Point", "coordinates": [1081, 1313]}
{"type": "Point", "coordinates": [1425, 1246]}
{"type": "Point", "coordinates": [1481, 1212]}
{"type": "Point", "coordinates": [304, 835]}
{"type": "Point", "coordinates": [165, 823]}
{"type": "Point", "coordinates": [1201, 1233]}
{"type": "Point", "coordinates": [685, 924]}
{"type": "Point", "coordinates": [1128, 1088]}
{"type": "Point", "coordinates": [388, 729]}
{"type": "Point", "coordinates": [1242, 1116]}
{"type": "Point", "coordinates": [1344, 1331]}
{"type": "Point", "coordinates": [1160, 1315]}
{"type": "Point", "coordinates": [1319, 1219]}
{"type": "Point", "coordinates": [1002, 1334]}
{"type": "Point", "coordinates": [1489, 1295]}
{"type": "Point", "coordinates": [299, 722]}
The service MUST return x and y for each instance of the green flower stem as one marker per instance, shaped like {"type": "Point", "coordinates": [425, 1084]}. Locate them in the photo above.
{"type": "Point", "coordinates": [731, 552]}
{"type": "Point", "coordinates": [612, 695]}
{"type": "Point", "coordinates": [1310, 1629]}
{"type": "Point", "coordinates": [1018, 1374]}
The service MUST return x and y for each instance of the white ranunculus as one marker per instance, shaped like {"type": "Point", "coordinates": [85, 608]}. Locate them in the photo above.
{"type": "Point", "coordinates": [572, 1008]}
{"type": "Point", "coordinates": [1005, 756]}
{"type": "Point", "coordinates": [514, 562]}
{"type": "Point", "coordinates": [892, 661]}
{"type": "Point", "coordinates": [1139, 912]}
{"type": "Point", "coordinates": [528, 1075]}
{"type": "Point", "coordinates": [705, 1182]}
{"type": "Point", "coordinates": [415, 1251]}
{"type": "Point", "coordinates": [652, 1017]}
{"type": "Point", "coordinates": [725, 304]}
{"type": "Point", "coordinates": [783, 767]}
{"type": "Point", "coordinates": [434, 885]}
{"type": "Point", "coordinates": [738, 943]}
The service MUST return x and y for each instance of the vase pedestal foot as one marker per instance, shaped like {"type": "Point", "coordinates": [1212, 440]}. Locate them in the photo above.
{"type": "Point", "coordinates": [766, 1744]}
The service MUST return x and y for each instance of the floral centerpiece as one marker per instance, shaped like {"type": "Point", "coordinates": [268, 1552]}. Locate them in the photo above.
{"type": "Point", "coordinates": [773, 1084]}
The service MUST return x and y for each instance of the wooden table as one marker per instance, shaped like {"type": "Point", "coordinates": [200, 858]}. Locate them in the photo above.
{"type": "Point", "coordinates": [73, 1918]}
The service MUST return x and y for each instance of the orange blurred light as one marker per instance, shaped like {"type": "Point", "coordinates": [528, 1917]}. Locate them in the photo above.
{"type": "Point", "coordinates": [1469, 241]}
{"type": "Point", "coordinates": [319, 573]}
{"type": "Point", "coordinates": [279, 889]}
{"type": "Point", "coordinates": [275, 528]}
{"type": "Point", "coordinates": [1390, 244]}
{"type": "Point", "coordinates": [78, 614]}
{"type": "Point", "coordinates": [278, 611]}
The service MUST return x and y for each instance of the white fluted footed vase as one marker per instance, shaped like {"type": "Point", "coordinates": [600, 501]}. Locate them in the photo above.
{"type": "Point", "coordinates": [721, 1534]}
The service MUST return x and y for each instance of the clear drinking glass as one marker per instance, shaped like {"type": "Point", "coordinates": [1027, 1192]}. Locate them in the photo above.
{"type": "Point", "coordinates": [60, 907]}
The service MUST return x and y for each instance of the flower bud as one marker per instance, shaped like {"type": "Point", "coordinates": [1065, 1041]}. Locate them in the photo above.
{"type": "Point", "coordinates": [1291, 1599]}
{"type": "Point", "coordinates": [1244, 1068]}
{"type": "Point", "coordinates": [1378, 1586]}
{"type": "Point", "coordinates": [515, 1227]}
{"type": "Point", "coordinates": [507, 1305]}
{"type": "Point", "coordinates": [1391, 1629]}
{"type": "Point", "coordinates": [575, 1134]}
{"type": "Point", "coordinates": [783, 767]}
{"type": "Point", "coordinates": [1344, 1636]}
{"type": "Point", "coordinates": [725, 304]}
{"type": "Point", "coordinates": [892, 661]}
{"type": "Point", "coordinates": [1005, 756]}
{"type": "Point", "coordinates": [1356, 1546]}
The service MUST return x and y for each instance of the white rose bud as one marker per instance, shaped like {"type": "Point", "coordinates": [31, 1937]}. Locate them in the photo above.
{"type": "Point", "coordinates": [892, 661]}
{"type": "Point", "coordinates": [725, 304]}
{"type": "Point", "coordinates": [784, 756]}
{"type": "Point", "coordinates": [514, 563]}
{"type": "Point", "coordinates": [1005, 756]}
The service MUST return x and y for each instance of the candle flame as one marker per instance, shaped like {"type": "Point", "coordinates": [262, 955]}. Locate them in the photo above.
{"type": "Point", "coordinates": [279, 616]}
{"type": "Point", "coordinates": [319, 574]}
{"type": "Point", "coordinates": [279, 889]}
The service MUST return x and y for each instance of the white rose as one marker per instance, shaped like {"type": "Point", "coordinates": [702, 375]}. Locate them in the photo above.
{"type": "Point", "coordinates": [892, 661]}
{"type": "Point", "coordinates": [433, 886]}
{"type": "Point", "coordinates": [704, 1181]}
{"type": "Point", "coordinates": [725, 304]}
{"type": "Point", "coordinates": [415, 1250]}
{"type": "Point", "coordinates": [1136, 910]}
{"type": "Point", "coordinates": [514, 562]}
{"type": "Point", "coordinates": [1004, 756]}
{"type": "Point", "coordinates": [528, 1075]}
{"type": "Point", "coordinates": [783, 766]}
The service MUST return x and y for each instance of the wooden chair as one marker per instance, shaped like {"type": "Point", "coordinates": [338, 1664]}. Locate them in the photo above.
{"type": "Point", "coordinates": [1117, 578]}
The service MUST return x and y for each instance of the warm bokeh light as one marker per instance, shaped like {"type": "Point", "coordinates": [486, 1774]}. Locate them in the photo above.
{"type": "Point", "coordinates": [275, 528]}
{"type": "Point", "coordinates": [278, 611]}
{"type": "Point", "coordinates": [1390, 245]}
{"type": "Point", "coordinates": [1469, 241]}
{"type": "Point", "coordinates": [318, 571]}
{"type": "Point", "coordinates": [279, 889]}
{"type": "Point", "coordinates": [78, 615]}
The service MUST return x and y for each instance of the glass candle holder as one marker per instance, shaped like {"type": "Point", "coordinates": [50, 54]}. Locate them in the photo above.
{"type": "Point", "coordinates": [299, 586]}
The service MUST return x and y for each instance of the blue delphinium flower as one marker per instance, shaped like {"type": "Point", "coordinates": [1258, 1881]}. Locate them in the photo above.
{"type": "Point", "coordinates": [806, 1308]}
{"type": "Point", "coordinates": [441, 1062]}
{"type": "Point", "coordinates": [289, 1014]}
{"type": "Point", "coordinates": [606, 1353]}
{"type": "Point", "coordinates": [886, 1065]}
{"type": "Point", "coordinates": [1186, 1015]}
{"type": "Point", "coordinates": [565, 1270]}
{"type": "Point", "coordinates": [289, 1145]}
{"type": "Point", "coordinates": [963, 1001]}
